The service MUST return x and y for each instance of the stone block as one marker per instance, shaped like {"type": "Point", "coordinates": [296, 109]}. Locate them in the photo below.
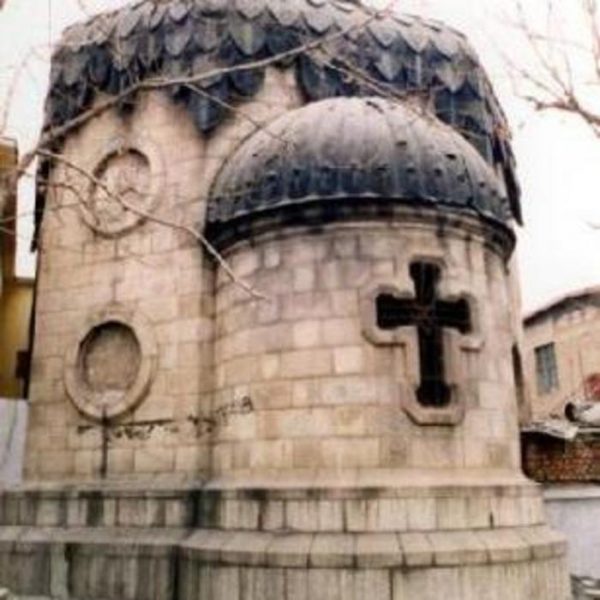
{"type": "Point", "coordinates": [331, 515]}
{"type": "Point", "coordinates": [276, 454]}
{"type": "Point", "coordinates": [154, 460]}
{"type": "Point", "coordinates": [417, 549]}
{"type": "Point", "coordinates": [349, 421]}
{"type": "Point", "coordinates": [271, 256]}
{"type": "Point", "coordinates": [348, 360]}
{"type": "Point", "coordinates": [378, 551]}
{"type": "Point", "coordinates": [269, 311]}
{"type": "Point", "coordinates": [425, 584]}
{"type": "Point", "coordinates": [332, 550]}
{"type": "Point", "coordinates": [247, 548]}
{"type": "Point", "coordinates": [306, 363]}
{"type": "Point", "coordinates": [371, 584]}
{"type": "Point", "coordinates": [188, 460]}
{"type": "Point", "coordinates": [307, 305]}
{"type": "Point", "coordinates": [274, 338]}
{"type": "Point", "coordinates": [307, 334]}
{"type": "Point", "coordinates": [274, 515]}
{"type": "Point", "coordinates": [223, 581]}
{"type": "Point", "coordinates": [452, 513]}
{"type": "Point", "coordinates": [543, 542]}
{"type": "Point", "coordinates": [289, 550]}
{"type": "Point", "coordinates": [302, 515]}
{"type": "Point", "coordinates": [87, 463]}
{"type": "Point", "coordinates": [421, 514]}
{"type": "Point", "coordinates": [456, 548]}
{"type": "Point", "coordinates": [359, 452]}
{"type": "Point", "coordinates": [393, 450]}
{"type": "Point", "coordinates": [296, 584]}
{"type": "Point", "coordinates": [271, 396]}
{"type": "Point", "coordinates": [306, 393]}
{"type": "Point", "coordinates": [341, 332]}
{"type": "Point", "coordinates": [305, 278]}
{"type": "Point", "coordinates": [270, 365]}
{"type": "Point", "coordinates": [325, 584]}
{"type": "Point", "coordinates": [361, 515]}
{"type": "Point", "coordinates": [504, 545]}
{"type": "Point", "coordinates": [348, 390]}
{"type": "Point", "coordinates": [478, 512]}
{"type": "Point", "coordinates": [392, 514]}
{"type": "Point", "coordinates": [307, 454]}
{"type": "Point", "coordinates": [245, 263]}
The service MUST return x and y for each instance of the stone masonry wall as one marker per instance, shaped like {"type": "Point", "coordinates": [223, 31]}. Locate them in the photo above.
{"type": "Point", "coordinates": [325, 398]}
{"type": "Point", "coordinates": [153, 271]}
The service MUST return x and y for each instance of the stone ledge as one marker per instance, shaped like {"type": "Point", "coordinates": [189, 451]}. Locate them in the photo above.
{"type": "Point", "coordinates": [102, 563]}
{"type": "Point", "coordinates": [294, 481]}
{"type": "Point", "coordinates": [300, 550]}
{"type": "Point", "coordinates": [339, 551]}
{"type": "Point", "coordinates": [375, 510]}
{"type": "Point", "coordinates": [119, 541]}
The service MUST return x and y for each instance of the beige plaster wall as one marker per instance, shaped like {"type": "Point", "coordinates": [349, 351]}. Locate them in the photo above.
{"type": "Point", "coordinates": [576, 335]}
{"type": "Point", "coordinates": [326, 398]}
{"type": "Point", "coordinates": [15, 293]}
{"type": "Point", "coordinates": [15, 314]}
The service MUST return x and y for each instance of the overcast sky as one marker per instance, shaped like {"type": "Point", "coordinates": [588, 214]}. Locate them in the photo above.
{"type": "Point", "coordinates": [559, 159]}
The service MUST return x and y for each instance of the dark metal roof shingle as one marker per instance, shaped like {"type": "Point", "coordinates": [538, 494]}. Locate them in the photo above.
{"type": "Point", "coordinates": [393, 54]}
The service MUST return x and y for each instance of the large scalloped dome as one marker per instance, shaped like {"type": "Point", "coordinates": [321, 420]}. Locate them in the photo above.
{"type": "Point", "coordinates": [348, 156]}
{"type": "Point", "coordinates": [355, 51]}
{"type": "Point", "coordinates": [337, 48]}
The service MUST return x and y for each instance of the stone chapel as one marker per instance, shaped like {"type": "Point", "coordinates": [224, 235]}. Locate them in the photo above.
{"type": "Point", "coordinates": [276, 317]}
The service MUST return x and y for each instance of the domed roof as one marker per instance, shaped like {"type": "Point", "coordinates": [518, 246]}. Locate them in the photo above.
{"type": "Point", "coordinates": [337, 48]}
{"type": "Point", "coordinates": [347, 156]}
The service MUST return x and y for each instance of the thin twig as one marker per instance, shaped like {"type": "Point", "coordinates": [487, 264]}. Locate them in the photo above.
{"type": "Point", "coordinates": [197, 235]}
{"type": "Point", "coordinates": [160, 83]}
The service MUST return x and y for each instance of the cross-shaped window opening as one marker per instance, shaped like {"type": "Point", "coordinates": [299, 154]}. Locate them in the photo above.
{"type": "Point", "coordinates": [430, 315]}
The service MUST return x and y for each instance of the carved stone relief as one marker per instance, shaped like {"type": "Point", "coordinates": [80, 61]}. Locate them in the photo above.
{"type": "Point", "coordinates": [110, 366]}
{"type": "Point", "coordinates": [126, 187]}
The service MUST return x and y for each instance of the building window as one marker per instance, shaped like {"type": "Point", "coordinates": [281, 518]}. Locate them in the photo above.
{"type": "Point", "coordinates": [546, 368]}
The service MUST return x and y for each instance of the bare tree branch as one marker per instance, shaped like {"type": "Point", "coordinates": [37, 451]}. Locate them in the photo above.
{"type": "Point", "coordinates": [159, 83]}
{"type": "Point", "coordinates": [555, 81]}
{"type": "Point", "coordinates": [197, 235]}
{"type": "Point", "coordinates": [194, 83]}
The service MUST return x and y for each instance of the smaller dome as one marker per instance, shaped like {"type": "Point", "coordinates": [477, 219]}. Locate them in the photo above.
{"type": "Point", "coordinates": [352, 156]}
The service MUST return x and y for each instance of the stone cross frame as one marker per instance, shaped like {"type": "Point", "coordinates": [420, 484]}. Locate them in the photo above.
{"type": "Point", "coordinates": [430, 315]}
{"type": "Point", "coordinates": [431, 328]}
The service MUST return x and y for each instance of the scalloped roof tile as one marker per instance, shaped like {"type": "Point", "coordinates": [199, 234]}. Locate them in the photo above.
{"type": "Point", "coordinates": [334, 152]}
{"type": "Point", "coordinates": [371, 54]}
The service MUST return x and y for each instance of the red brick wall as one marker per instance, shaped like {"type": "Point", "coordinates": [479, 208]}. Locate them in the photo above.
{"type": "Point", "coordinates": [547, 459]}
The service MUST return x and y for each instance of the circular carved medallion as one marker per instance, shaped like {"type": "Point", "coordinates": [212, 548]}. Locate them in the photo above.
{"type": "Point", "coordinates": [110, 367]}
{"type": "Point", "coordinates": [126, 187]}
{"type": "Point", "coordinates": [123, 188]}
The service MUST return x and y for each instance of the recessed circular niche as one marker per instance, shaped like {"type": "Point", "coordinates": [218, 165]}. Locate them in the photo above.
{"type": "Point", "coordinates": [110, 359]}
{"type": "Point", "coordinates": [110, 367]}
{"type": "Point", "coordinates": [125, 189]}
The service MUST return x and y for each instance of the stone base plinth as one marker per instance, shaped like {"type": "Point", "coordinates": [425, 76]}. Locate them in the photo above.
{"type": "Point", "coordinates": [126, 542]}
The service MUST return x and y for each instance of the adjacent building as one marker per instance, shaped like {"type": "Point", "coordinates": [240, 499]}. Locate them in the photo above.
{"type": "Point", "coordinates": [16, 295]}
{"type": "Point", "coordinates": [562, 353]}
{"type": "Point", "coordinates": [561, 436]}
{"type": "Point", "coordinates": [16, 292]}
